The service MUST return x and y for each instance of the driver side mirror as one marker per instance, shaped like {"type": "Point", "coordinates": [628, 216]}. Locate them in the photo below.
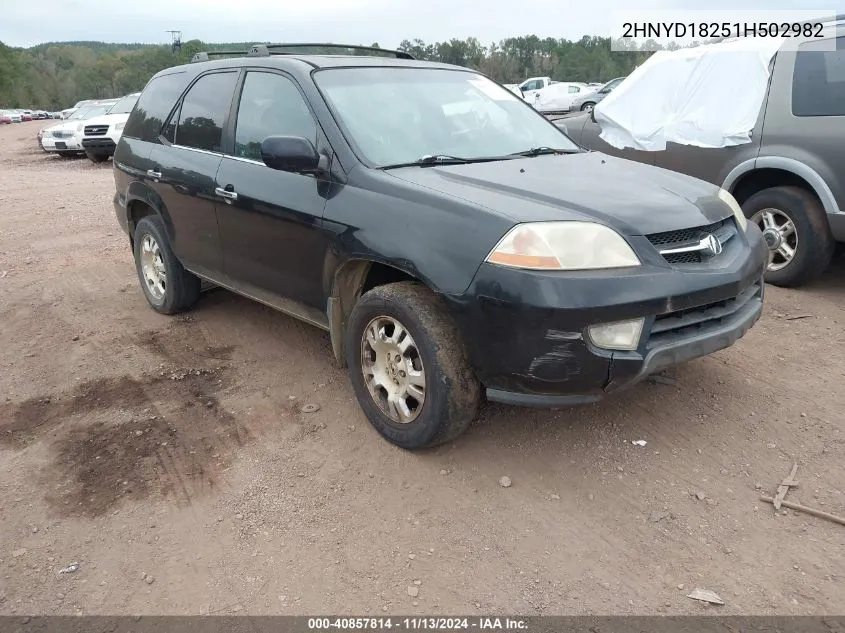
{"type": "Point", "coordinates": [290, 153]}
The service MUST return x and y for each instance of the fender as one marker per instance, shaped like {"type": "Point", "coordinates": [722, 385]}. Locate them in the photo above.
{"type": "Point", "coordinates": [139, 191]}
{"type": "Point", "coordinates": [786, 164]}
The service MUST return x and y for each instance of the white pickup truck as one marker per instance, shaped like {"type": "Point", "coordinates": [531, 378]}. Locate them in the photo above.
{"type": "Point", "coordinates": [528, 87]}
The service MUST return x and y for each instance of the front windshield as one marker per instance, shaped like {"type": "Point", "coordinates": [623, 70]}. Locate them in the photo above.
{"type": "Point", "coordinates": [399, 115]}
{"type": "Point", "coordinates": [125, 105]}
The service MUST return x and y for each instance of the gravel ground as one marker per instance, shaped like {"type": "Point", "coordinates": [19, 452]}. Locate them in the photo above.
{"type": "Point", "coordinates": [170, 457]}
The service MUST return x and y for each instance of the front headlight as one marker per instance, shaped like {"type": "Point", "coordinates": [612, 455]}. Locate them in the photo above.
{"type": "Point", "coordinates": [118, 126]}
{"type": "Point", "coordinates": [728, 199]}
{"type": "Point", "coordinates": [563, 246]}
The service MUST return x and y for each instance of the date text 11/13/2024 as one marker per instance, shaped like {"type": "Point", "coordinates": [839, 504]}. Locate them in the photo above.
{"type": "Point", "coordinates": [418, 623]}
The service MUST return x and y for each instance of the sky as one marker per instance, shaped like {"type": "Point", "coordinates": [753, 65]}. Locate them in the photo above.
{"type": "Point", "coordinates": [387, 22]}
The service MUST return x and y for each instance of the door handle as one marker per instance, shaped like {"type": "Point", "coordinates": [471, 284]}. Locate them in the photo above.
{"type": "Point", "coordinates": [226, 193]}
{"type": "Point", "coordinates": [152, 173]}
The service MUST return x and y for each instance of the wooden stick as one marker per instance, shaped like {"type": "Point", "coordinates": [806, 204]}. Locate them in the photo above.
{"type": "Point", "coordinates": [816, 513]}
{"type": "Point", "coordinates": [784, 486]}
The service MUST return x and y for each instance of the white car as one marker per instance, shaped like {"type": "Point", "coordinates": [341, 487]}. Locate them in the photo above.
{"type": "Point", "coordinates": [101, 133]}
{"type": "Point", "coordinates": [558, 97]}
{"type": "Point", "coordinates": [65, 139]}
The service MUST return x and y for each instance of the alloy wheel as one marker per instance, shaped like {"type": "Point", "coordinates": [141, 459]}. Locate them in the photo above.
{"type": "Point", "coordinates": [393, 369]}
{"type": "Point", "coordinates": [780, 234]}
{"type": "Point", "coordinates": [152, 267]}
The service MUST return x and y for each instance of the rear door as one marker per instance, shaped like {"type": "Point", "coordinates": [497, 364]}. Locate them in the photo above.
{"type": "Point", "coordinates": [184, 168]}
{"type": "Point", "coordinates": [271, 220]}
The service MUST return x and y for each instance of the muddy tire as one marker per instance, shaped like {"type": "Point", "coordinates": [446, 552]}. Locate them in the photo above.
{"type": "Point", "coordinates": [167, 286]}
{"type": "Point", "coordinates": [97, 158]}
{"type": "Point", "coordinates": [408, 366]}
{"type": "Point", "coordinates": [797, 232]}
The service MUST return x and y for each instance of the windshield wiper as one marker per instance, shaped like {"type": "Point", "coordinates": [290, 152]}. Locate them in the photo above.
{"type": "Point", "coordinates": [538, 151]}
{"type": "Point", "coordinates": [445, 159]}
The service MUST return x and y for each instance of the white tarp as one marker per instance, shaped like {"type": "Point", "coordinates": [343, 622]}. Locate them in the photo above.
{"type": "Point", "coordinates": [707, 96]}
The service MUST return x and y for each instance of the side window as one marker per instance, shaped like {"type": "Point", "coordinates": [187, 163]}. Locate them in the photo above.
{"type": "Point", "coordinates": [574, 89]}
{"type": "Point", "coordinates": [270, 105]}
{"type": "Point", "coordinates": [203, 112]}
{"type": "Point", "coordinates": [818, 80]}
{"type": "Point", "coordinates": [153, 106]}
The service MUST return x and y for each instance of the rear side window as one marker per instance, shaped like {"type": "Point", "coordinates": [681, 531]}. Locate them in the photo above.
{"type": "Point", "coordinates": [818, 81]}
{"type": "Point", "coordinates": [271, 105]}
{"type": "Point", "coordinates": [153, 106]}
{"type": "Point", "coordinates": [204, 110]}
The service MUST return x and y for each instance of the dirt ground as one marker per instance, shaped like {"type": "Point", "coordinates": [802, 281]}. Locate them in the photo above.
{"type": "Point", "coordinates": [169, 457]}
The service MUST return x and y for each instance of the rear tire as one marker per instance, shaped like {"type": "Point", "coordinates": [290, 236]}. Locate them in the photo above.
{"type": "Point", "coordinates": [431, 355]}
{"type": "Point", "coordinates": [793, 222]}
{"type": "Point", "coordinates": [167, 286]}
{"type": "Point", "coordinates": [97, 158]}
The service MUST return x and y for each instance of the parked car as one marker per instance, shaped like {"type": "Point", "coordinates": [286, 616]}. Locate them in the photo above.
{"type": "Point", "coordinates": [558, 97]}
{"type": "Point", "coordinates": [15, 115]}
{"type": "Point", "coordinates": [790, 179]}
{"type": "Point", "coordinates": [5, 117]}
{"type": "Point", "coordinates": [40, 115]}
{"type": "Point", "coordinates": [587, 101]}
{"type": "Point", "coordinates": [102, 133]}
{"type": "Point", "coordinates": [26, 115]}
{"type": "Point", "coordinates": [447, 259]}
{"type": "Point", "coordinates": [65, 139]}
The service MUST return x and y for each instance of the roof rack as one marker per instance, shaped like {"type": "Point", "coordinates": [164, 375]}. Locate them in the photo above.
{"type": "Point", "coordinates": [265, 50]}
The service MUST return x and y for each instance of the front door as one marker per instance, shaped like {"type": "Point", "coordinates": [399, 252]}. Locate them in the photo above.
{"type": "Point", "coordinates": [271, 220]}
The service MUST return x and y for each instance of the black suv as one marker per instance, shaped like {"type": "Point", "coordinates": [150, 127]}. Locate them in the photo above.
{"type": "Point", "coordinates": [454, 243]}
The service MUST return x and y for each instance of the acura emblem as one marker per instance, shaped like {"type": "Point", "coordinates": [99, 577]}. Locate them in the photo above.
{"type": "Point", "coordinates": [713, 244]}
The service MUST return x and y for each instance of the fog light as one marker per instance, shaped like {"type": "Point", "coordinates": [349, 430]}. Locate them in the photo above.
{"type": "Point", "coordinates": [624, 335]}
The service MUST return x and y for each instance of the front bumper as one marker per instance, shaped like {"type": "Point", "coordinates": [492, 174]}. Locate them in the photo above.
{"type": "Point", "coordinates": [52, 144]}
{"type": "Point", "coordinates": [99, 145]}
{"type": "Point", "coordinates": [525, 331]}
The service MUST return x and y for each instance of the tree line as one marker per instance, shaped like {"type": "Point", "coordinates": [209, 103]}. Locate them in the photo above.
{"type": "Point", "coordinates": [56, 75]}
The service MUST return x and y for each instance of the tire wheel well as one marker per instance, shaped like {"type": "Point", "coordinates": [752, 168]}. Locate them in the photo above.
{"type": "Point", "coordinates": [760, 179]}
{"type": "Point", "coordinates": [136, 212]}
{"type": "Point", "coordinates": [350, 282]}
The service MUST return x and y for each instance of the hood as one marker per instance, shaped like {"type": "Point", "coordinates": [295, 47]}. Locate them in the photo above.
{"type": "Point", "coordinates": [67, 125]}
{"type": "Point", "coordinates": [633, 198]}
{"type": "Point", "coordinates": [107, 119]}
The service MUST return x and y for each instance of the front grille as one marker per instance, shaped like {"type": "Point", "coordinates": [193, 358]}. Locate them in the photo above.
{"type": "Point", "coordinates": [670, 327]}
{"type": "Point", "coordinates": [724, 230]}
{"type": "Point", "coordinates": [96, 130]}
{"type": "Point", "coordinates": [683, 258]}
{"type": "Point", "coordinates": [673, 239]}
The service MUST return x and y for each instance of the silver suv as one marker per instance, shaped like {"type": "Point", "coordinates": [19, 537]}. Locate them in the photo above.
{"type": "Point", "coordinates": [790, 179]}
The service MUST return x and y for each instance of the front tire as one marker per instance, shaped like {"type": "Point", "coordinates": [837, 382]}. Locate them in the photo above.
{"type": "Point", "coordinates": [588, 107]}
{"type": "Point", "coordinates": [796, 230]}
{"type": "Point", "coordinates": [167, 286]}
{"type": "Point", "coordinates": [408, 367]}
